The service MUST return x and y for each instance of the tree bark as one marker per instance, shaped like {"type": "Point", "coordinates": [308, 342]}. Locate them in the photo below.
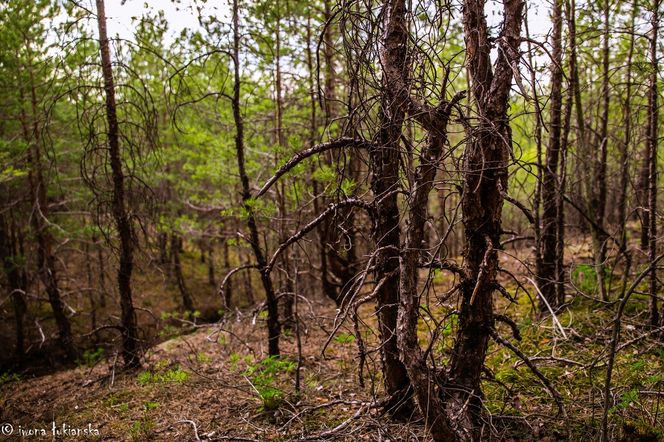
{"type": "Point", "coordinates": [597, 206]}
{"type": "Point", "coordinates": [386, 230]}
{"type": "Point", "coordinates": [130, 343]}
{"type": "Point", "coordinates": [485, 181]}
{"type": "Point", "coordinates": [653, 120]}
{"type": "Point", "coordinates": [546, 271]}
{"type": "Point", "coordinates": [210, 263]}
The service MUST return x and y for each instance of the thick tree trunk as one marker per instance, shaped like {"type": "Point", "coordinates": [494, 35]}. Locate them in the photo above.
{"type": "Point", "coordinates": [386, 232]}
{"type": "Point", "coordinates": [485, 181]}
{"type": "Point", "coordinates": [130, 344]}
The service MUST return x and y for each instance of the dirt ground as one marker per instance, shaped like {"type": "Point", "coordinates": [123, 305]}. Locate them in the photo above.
{"type": "Point", "coordinates": [215, 382]}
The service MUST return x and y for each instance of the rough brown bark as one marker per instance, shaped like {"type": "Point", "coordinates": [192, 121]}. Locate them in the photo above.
{"type": "Point", "coordinates": [130, 343]}
{"type": "Point", "coordinates": [546, 271]}
{"type": "Point", "coordinates": [485, 180]}
{"type": "Point", "coordinates": [386, 230]}
{"type": "Point", "coordinates": [653, 120]}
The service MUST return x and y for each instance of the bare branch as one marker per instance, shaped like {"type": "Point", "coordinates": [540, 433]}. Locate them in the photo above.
{"type": "Point", "coordinates": [342, 143]}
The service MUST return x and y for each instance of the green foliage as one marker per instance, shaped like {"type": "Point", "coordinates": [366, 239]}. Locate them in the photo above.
{"type": "Point", "coordinates": [8, 377]}
{"type": "Point", "coordinates": [626, 399]}
{"type": "Point", "coordinates": [176, 375]}
{"type": "Point", "coordinates": [584, 277]}
{"type": "Point", "coordinates": [199, 357]}
{"type": "Point", "coordinates": [264, 377]}
{"type": "Point", "coordinates": [141, 430]}
{"type": "Point", "coordinates": [344, 338]}
{"type": "Point", "coordinates": [149, 405]}
{"type": "Point", "coordinates": [91, 357]}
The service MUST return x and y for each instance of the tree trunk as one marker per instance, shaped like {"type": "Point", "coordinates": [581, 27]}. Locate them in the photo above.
{"type": "Point", "coordinates": [39, 219]}
{"type": "Point", "coordinates": [546, 271]}
{"type": "Point", "coordinates": [597, 205]}
{"type": "Point", "coordinates": [273, 325]}
{"type": "Point", "coordinates": [210, 262]}
{"type": "Point", "coordinates": [9, 255]}
{"type": "Point", "coordinates": [130, 344]}
{"type": "Point", "coordinates": [176, 246]}
{"type": "Point", "coordinates": [624, 150]}
{"type": "Point", "coordinates": [386, 231]}
{"type": "Point", "coordinates": [485, 181]}
{"type": "Point", "coordinates": [91, 292]}
{"type": "Point", "coordinates": [653, 120]}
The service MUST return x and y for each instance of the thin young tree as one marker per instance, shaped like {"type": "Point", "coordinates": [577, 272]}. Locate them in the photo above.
{"type": "Point", "coordinates": [130, 342]}
{"type": "Point", "coordinates": [653, 133]}
{"type": "Point", "coordinates": [273, 325]}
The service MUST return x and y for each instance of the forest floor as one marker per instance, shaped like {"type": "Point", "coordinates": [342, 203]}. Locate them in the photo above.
{"type": "Point", "coordinates": [214, 381]}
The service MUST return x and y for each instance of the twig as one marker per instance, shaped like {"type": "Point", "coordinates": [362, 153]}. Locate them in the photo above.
{"type": "Point", "coordinates": [545, 381]}
{"type": "Point", "coordinates": [341, 426]}
{"type": "Point", "coordinates": [193, 424]}
{"type": "Point", "coordinates": [554, 318]}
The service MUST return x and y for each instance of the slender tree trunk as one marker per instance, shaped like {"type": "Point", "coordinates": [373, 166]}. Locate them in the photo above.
{"type": "Point", "coordinates": [546, 274]}
{"type": "Point", "coordinates": [598, 199]}
{"type": "Point", "coordinates": [210, 264]}
{"type": "Point", "coordinates": [10, 258]}
{"type": "Point", "coordinates": [624, 148]}
{"type": "Point", "coordinates": [227, 266]}
{"type": "Point", "coordinates": [101, 268]}
{"type": "Point", "coordinates": [176, 246]}
{"type": "Point", "coordinates": [537, 227]}
{"type": "Point", "coordinates": [90, 289]}
{"type": "Point", "coordinates": [288, 297]}
{"type": "Point", "coordinates": [562, 178]}
{"type": "Point", "coordinates": [162, 241]}
{"type": "Point", "coordinates": [273, 325]}
{"type": "Point", "coordinates": [653, 121]}
{"type": "Point", "coordinates": [130, 344]}
{"type": "Point", "coordinates": [583, 152]}
{"type": "Point", "coordinates": [39, 219]}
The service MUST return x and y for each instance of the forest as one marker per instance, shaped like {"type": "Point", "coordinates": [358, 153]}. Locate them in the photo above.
{"type": "Point", "coordinates": [376, 220]}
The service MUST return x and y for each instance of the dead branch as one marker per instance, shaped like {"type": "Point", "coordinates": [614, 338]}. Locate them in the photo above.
{"type": "Point", "coordinates": [545, 381]}
{"type": "Point", "coordinates": [342, 143]}
{"type": "Point", "coordinates": [312, 225]}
